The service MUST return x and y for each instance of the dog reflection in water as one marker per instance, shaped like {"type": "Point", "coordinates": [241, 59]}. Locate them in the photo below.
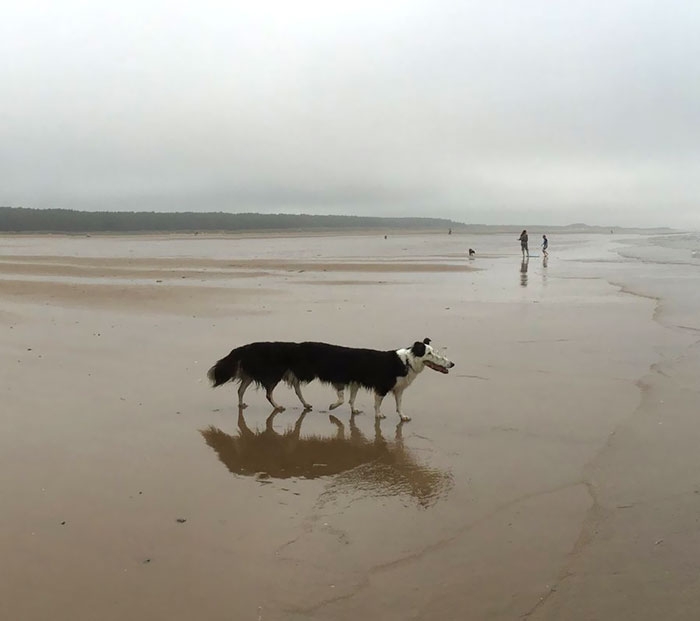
{"type": "Point", "coordinates": [377, 466]}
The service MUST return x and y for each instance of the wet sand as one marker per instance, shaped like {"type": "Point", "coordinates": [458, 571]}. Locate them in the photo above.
{"type": "Point", "coordinates": [550, 475]}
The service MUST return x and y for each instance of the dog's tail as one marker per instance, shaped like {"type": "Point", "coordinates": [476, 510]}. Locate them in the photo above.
{"type": "Point", "coordinates": [224, 370]}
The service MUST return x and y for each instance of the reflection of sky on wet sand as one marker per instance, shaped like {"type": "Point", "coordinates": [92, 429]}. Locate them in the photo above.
{"type": "Point", "coordinates": [357, 465]}
{"type": "Point", "coordinates": [504, 458]}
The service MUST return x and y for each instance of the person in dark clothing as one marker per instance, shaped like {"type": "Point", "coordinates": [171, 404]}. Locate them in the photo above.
{"type": "Point", "coordinates": [523, 243]}
{"type": "Point", "coordinates": [545, 245]}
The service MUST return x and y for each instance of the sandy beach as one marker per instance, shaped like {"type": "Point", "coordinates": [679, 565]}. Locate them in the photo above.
{"type": "Point", "coordinates": [552, 474]}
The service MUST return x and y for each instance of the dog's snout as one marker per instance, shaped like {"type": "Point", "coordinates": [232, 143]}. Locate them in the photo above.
{"type": "Point", "coordinates": [449, 366]}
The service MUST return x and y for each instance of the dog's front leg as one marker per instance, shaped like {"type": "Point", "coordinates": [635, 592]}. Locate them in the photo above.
{"type": "Point", "coordinates": [340, 398]}
{"type": "Point", "coordinates": [353, 393]}
{"type": "Point", "coordinates": [297, 389]}
{"type": "Point", "coordinates": [397, 396]}
{"type": "Point", "coordinates": [377, 405]}
{"type": "Point", "coordinates": [270, 398]}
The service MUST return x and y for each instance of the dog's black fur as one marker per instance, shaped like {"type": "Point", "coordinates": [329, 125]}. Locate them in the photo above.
{"type": "Point", "coordinates": [264, 363]}
{"type": "Point", "coordinates": [268, 363]}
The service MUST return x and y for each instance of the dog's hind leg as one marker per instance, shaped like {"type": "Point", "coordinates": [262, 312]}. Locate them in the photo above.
{"type": "Point", "coordinates": [271, 399]}
{"type": "Point", "coordinates": [245, 382]}
{"type": "Point", "coordinates": [397, 396]}
{"type": "Point", "coordinates": [353, 393]}
{"type": "Point", "coordinates": [297, 389]}
{"type": "Point", "coordinates": [377, 405]}
{"type": "Point", "coordinates": [341, 397]}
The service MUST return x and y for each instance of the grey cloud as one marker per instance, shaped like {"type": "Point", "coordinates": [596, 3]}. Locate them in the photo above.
{"type": "Point", "coordinates": [484, 111]}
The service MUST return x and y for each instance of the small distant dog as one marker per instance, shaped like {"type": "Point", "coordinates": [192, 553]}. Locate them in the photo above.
{"type": "Point", "coordinates": [268, 363]}
{"type": "Point", "coordinates": [472, 252]}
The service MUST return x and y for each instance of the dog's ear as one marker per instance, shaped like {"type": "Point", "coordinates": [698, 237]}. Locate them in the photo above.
{"type": "Point", "coordinates": [418, 349]}
{"type": "Point", "coordinates": [426, 340]}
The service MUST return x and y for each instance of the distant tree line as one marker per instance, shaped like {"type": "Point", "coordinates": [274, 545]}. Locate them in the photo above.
{"type": "Point", "coordinates": [21, 219]}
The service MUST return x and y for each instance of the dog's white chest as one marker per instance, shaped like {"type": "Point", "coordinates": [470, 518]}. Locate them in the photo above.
{"type": "Point", "coordinates": [404, 381]}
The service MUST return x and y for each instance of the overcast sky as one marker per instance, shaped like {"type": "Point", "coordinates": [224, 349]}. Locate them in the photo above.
{"type": "Point", "coordinates": [493, 111]}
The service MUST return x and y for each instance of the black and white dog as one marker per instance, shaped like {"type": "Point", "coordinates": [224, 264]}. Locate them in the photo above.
{"type": "Point", "coordinates": [267, 364]}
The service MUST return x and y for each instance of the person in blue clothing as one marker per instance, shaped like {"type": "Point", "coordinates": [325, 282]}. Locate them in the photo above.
{"type": "Point", "coordinates": [545, 245]}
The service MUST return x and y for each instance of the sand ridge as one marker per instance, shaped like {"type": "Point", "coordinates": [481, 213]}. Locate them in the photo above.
{"type": "Point", "coordinates": [137, 490]}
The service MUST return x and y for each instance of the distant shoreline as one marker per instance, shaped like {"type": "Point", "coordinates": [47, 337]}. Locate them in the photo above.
{"type": "Point", "coordinates": [285, 233]}
{"type": "Point", "coordinates": [21, 220]}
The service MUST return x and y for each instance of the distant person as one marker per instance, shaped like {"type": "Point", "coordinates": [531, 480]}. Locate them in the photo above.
{"type": "Point", "coordinates": [449, 232]}
{"type": "Point", "coordinates": [523, 243]}
{"type": "Point", "coordinates": [472, 252]}
{"type": "Point", "coordinates": [545, 245]}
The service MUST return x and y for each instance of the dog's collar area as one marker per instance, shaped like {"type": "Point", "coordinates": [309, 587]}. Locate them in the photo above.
{"type": "Point", "coordinates": [409, 366]}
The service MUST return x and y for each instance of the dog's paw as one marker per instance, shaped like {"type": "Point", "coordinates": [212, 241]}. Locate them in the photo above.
{"type": "Point", "coordinates": [404, 418]}
{"type": "Point", "coordinates": [332, 406]}
{"type": "Point", "coordinates": [354, 412]}
{"type": "Point", "coordinates": [379, 415]}
{"type": "Point", "coordinates": [308, 407]}
{"type": "Point", "coordinates": [243, 406]}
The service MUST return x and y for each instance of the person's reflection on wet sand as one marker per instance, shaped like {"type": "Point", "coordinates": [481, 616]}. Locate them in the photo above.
{"type": "Point", "coordinates": [545, 260]}
{"type": "Point", "coordinates": [523, 272]}
{"type": "Point", "coordinates": [376, 466]}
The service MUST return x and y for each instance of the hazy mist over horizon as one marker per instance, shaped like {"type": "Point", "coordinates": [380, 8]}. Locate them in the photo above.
{"type": "Point", "coordinates": [492, 112]}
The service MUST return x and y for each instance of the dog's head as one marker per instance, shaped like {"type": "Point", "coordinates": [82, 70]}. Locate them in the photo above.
{"type": "Point", "coordinates": [424, 355]}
